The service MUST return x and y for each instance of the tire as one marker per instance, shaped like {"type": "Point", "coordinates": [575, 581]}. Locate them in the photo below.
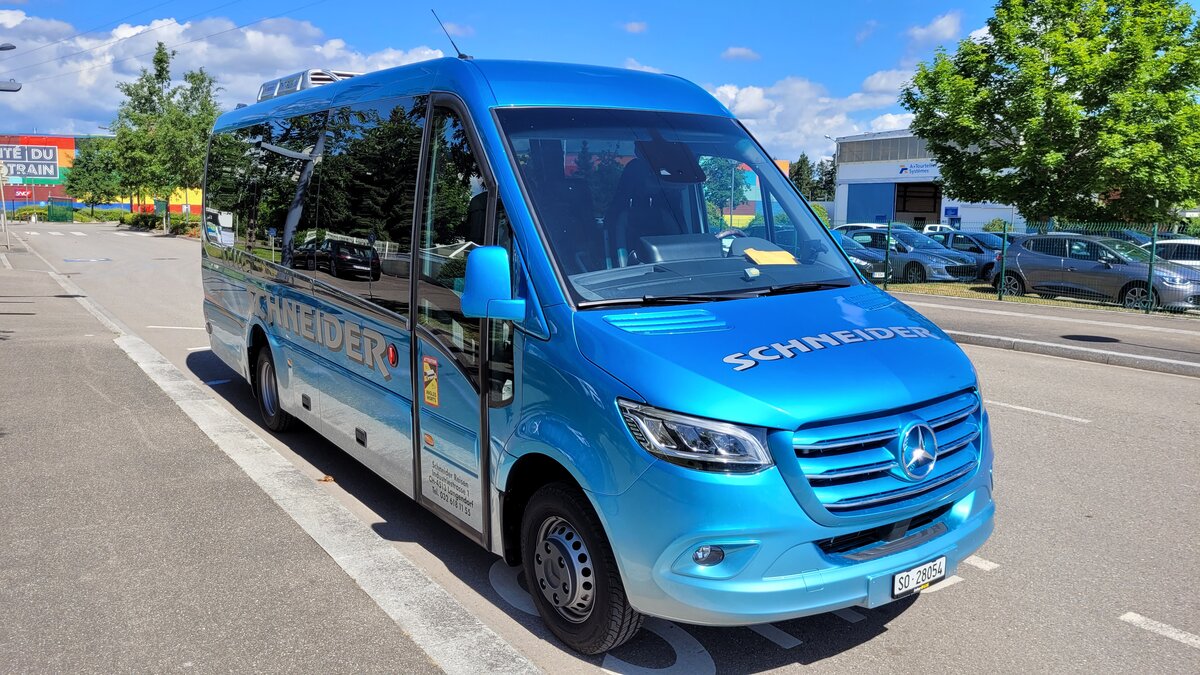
{"type": "Point", "coordinates": [267, 393]}
{"type": "Point", "coordinates": [312, 264]}
{"type": "Point", "coordinates": [559, 525]}
{"type": "Point", "coordinates": [333, 270]}
{"type": "Point", "coordinates": [914, 273]}
{"type": "Point", "coordinates": [1012, 285]}
{"type": "Point", "coordinates": [985, 273]}
{"type": "Point", "coordinates": [376, 275]}
{"type": "Point", "coordinates": [1134, 296]}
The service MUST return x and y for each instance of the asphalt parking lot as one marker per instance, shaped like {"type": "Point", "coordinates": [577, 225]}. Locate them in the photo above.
{"type": "Point", "coordinates": [1092, 566]}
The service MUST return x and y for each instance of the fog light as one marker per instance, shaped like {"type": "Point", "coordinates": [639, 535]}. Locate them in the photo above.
{"type": "Point", "coordinates": [708, 555]}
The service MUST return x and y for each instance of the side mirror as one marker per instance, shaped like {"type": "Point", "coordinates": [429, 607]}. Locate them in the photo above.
{"type": "Point", "coordinates": [487, 289]}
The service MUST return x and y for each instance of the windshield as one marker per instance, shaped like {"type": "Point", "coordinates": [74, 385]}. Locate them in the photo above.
{"type": "Point", "coordinates": [988, 240]}
{"type": "Point", "coordinates": [915, 239]}
{"type": "Point", "coordinates": [1129, 250]}
{"type": "Point", "coordinates": [639, 204]}
{"type": "Point", "coordinates": [848, 244]}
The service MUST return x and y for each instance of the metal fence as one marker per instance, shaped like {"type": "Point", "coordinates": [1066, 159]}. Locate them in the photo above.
{"type": "Point", "coordinates": [1119, 266]}
{"type": "Point", "coordinates": [60, 210]}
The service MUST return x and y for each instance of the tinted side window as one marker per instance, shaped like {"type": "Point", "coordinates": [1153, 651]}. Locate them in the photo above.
{"type": "Point", "coordinates": [230, 191]}
{"type": "Point", "coordinates": [1048, 246]}
{"type": "Point", "coordinates": [1190, 252]}
{"type": "Point", "coordinates": [277, 179]}
{"type": "Point", "coordinates": [453, 223]}
{"type": "Point", "coordinates": [365, 188]}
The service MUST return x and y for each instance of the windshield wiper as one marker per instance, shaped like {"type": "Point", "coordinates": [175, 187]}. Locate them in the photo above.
{"type": "Point", "coordinates": [649, 300]}
{"type": "Point", "coordinates": [804, 287]}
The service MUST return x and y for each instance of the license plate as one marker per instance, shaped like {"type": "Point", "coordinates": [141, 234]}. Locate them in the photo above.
{"type": "Point", "coordinates": [918, 578]}
{"type": "Point", "coordinates": [876, 275]}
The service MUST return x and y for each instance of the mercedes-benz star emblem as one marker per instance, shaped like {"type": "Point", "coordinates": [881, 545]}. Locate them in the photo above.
{"type": "Point", "coordinates": [918, 451]}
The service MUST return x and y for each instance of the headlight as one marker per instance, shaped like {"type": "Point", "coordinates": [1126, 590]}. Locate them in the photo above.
{"type": "Point", "coordinates": [859, 261]}
{"type": "Point", "coordinates": [695, 442]}
{"type": "Point", "coordinates": [1176, 281]}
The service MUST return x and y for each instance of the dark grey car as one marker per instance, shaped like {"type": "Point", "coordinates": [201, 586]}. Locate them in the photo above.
{"type": "Point", "coordinates": [984, 247]}
{"type": "Point", "coordinates": [1081, 266]}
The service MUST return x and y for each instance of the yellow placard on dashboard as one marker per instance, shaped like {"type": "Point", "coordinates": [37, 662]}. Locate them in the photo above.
{"type": "Point", "coordinates": [770, 257]}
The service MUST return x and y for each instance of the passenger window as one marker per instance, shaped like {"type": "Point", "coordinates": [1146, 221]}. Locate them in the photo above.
{"type": "Point", "coordinates": [453, 223]}
{"type": "Point", "coordinates": [965, 245]}
{"type": "Point", "coordinates": [865, 240]}
{"type": "Point", "coordinates": [940, 237]}
{"type": "Point", "coordinates": [1085, 250]}
{"type": "Point", "coordinates": [359, 205]}
{"type": "Point", "coordinates": [276, 179]}
{"type": "Point", "coordinates": [231, 186]}
{"type": "Point", "coordinates": [1191, 252]}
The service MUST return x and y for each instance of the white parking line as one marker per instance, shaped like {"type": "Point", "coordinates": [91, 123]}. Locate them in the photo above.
{"type": "Point", "coordinates": [849, 615]}
{"type": "Point", "coordinates": [121, 234]}
{"type": "Point", "coordinates": [178, 327]}
{"type": "Point", "coordinates": [1051, 317]}
{"type": "Point", "coordinates": [1038, 412]}
{"type": "Point", "coordinates": [976, 561]}
{"type": "Point", "coordinates": [33, 234]}
{"type": "Point", "coordinates": [1162, 629]}
{"type": "Point", "coordinates": [782, 638]}
{"type": "Point", "coordinates": [4, 261]}
{"type": "Point", "coordinates": [145, 234]}
{"type": "Point", "coordinates": [198, 349]}
{"type": "Point", "coordinates": [78, 234]}
{"type": "Point", "coordinates": [56, 234]}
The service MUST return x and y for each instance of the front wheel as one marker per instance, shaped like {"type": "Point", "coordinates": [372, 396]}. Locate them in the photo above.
{"type": "Point", "coordinates": [914, 274]}
{"type": "Point", "coordinates": [572, 574]}
{"type": "Point", "coordinates": [1137, 296]}
{"type": "Point", "coordinates": [274, 416]}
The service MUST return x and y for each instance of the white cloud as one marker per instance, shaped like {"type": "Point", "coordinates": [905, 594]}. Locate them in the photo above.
{"type": "Point", "coordinates": [740, 53]}
{"type": "Point", "coordinates": [891, 121]}
{"type": "Point", "coordinates": [632, 64]}
{"type": "Point", "coordinates": [635, 27]}
{"type": "Point", "coordinates": [459, 30]}
{"type": "Point", "coordinates": [980, 34]}
{"type": "Point", "coordinates": [943, 28]}
{"type": "Point", "coordinates": [866, 31]}
{"type": "Point", "coordinates": [887, 81]}
{"type": "Point", "coordinates": [76, 92]}
{"type": "Point", "coordinates": [795, 114]}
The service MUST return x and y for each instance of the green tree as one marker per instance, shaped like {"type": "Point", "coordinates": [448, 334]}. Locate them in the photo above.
{"type": "Point", "coordinates": [188, 117]}
{"type": "Point", "coordinates": [826, 180]}
{"type": "Point", "coordinates": [94, 177]}
{"type": "Point", "coordinates": [1068, 108]}
{"type": "Point", "coordinates": [724, 184]}
{"type": "Point", "coordinates": [803, 174]}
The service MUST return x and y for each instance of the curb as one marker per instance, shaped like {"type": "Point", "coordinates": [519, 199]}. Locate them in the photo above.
{"type": "Point", "coordinates": [1102, 356]}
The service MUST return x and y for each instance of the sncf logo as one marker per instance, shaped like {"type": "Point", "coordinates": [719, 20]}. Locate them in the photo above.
{"type": "Point", "coordinates": [787, 350]}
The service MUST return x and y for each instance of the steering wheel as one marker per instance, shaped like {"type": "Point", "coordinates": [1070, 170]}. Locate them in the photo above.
{"type": "Point", "coordinates": [731, 232]}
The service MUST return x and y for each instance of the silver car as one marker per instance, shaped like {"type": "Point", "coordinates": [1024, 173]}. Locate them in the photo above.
{"type": "Point", "coordinates": [1178, 251]}
{"type": "Point", "coordinates": [1082, 266]}
{"type": "Point", "coordinates": [916, 258]}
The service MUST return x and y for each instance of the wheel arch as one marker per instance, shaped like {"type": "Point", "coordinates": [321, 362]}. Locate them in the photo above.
{"type": "Point", "coordinates": [526, 475]}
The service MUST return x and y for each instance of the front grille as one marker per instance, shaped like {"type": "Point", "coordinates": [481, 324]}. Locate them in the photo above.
{"type": "Point", "coordinates": [961, 270]}
{"type": "Point", "coordinates": [855, 540]}
{"type": "Point", "coordinates": [851, 464]}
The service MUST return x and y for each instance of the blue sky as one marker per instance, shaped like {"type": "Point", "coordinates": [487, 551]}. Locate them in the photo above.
{"type": "Point", "coordinates": [794, 71]}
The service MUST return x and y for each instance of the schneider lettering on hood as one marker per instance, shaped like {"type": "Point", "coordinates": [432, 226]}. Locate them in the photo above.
{"type": "Point", "coordinates": [786, 350]}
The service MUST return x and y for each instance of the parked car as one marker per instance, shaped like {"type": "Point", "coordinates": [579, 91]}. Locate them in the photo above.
{"type": "Point", "coordinates": [870, 262]}
{"type": "Point", "coordinates": [1127, 234]}
{"type": "Point", "coordinates": [984, 247]}
{"type": "Point", "coordinates": [1178, 251]}
{"type": "Point", "coordinates": [846, 227]}
{"type": "Point", "coordinates": [339, 258]}
{"type": "Point", "coordinates": [938, 227]}
{"type": "Point", "coordinates": [918, 258]}
{"type": "Point", "coordinates": [1100, 268]}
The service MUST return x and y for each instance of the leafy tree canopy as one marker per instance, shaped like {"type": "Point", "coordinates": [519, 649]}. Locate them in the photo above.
{"type": "Point", "coordinates": [1077, 109]}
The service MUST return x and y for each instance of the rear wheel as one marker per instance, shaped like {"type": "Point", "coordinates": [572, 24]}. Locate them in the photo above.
{"type": "Point", "coordinates": [1012, 285]}
{"type": "Point", "coordinates": [275, 418]}
{"type": "Point", "coordinates": [572, 574]}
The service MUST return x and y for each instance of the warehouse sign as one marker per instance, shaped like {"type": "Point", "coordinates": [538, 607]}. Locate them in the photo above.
{"type": "Point", "coordinates": [30, 161]}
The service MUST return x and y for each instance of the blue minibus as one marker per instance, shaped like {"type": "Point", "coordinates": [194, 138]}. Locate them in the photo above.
{"type": "Point", "coordinates": [566, 345]}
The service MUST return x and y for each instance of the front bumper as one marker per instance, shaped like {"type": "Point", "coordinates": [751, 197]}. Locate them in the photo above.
{"type": "Point", "coordinates": [774, 568]}
{"type": "Point", "coordinates": [1179, 297]}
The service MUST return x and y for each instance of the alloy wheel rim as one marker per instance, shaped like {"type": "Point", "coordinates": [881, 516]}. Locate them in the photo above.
{"type": "Point", "coordinates": [1011, 285]}
{"type": "Point", "coordinates": [1136, 298]}
{"type": "Point", "coordinates": [562, 567]}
